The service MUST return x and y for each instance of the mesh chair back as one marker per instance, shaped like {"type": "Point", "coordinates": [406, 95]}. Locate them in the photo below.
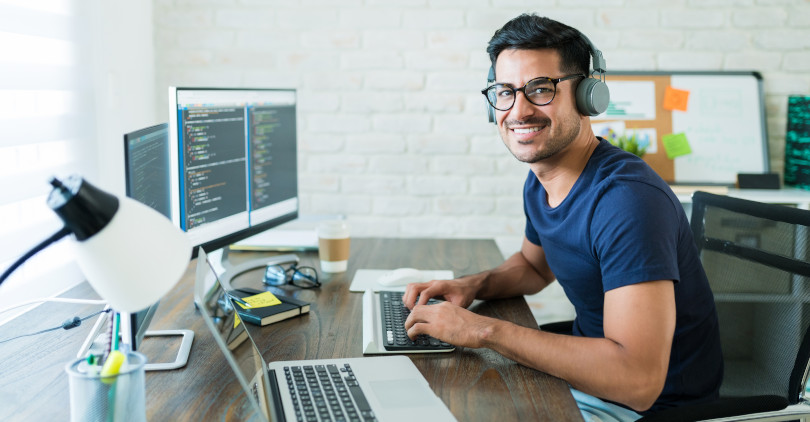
{"type": "Point", "coordinates": [756, 259]}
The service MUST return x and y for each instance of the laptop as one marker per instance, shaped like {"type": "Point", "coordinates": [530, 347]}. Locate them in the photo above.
{"type": "Point", "coordinates": [388, 388]}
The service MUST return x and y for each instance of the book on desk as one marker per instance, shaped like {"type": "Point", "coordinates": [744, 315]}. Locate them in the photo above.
{"type": "Point", "coordinates": [268, 308]}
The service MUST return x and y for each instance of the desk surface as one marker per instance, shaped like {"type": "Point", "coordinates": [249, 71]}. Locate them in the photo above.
{"type": "Point", "coordinates": [476, 384]}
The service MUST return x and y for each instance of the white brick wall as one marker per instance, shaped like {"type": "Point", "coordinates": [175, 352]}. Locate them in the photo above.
{"type": "Point", "coordinates": [392, 129]}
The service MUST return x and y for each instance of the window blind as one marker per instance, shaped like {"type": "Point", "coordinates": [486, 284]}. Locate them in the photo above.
{"type": "Point", "coordinates": [46, 129]}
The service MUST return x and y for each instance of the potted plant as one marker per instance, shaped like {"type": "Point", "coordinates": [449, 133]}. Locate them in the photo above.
{"type": "Point", "coordinates": [629, 143]}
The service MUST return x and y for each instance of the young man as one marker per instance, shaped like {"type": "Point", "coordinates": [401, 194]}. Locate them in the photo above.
{"type": "Point", "coordinates": [601, 223]}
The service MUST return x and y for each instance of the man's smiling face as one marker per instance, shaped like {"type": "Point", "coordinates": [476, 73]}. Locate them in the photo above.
{"type": "Point", "coordinates": [533, 133]}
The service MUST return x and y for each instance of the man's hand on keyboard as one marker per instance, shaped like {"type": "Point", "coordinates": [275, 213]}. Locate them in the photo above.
{"type": "Point", "coordinates": [458, 292]}
{"type": "Point", "coordinates": [450, 323]}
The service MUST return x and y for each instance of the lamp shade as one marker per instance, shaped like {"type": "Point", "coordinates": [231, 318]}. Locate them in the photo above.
{"type": "Point", "coordinates": [131, 254]}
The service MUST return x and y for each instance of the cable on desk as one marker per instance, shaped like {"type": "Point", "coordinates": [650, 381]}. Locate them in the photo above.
{"type": "Point", "coordinates": [67, 325]}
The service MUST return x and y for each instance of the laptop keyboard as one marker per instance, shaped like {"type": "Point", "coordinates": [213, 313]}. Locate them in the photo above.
{"type": "Point", "coordinates": [393, 314]}
{"type": "Point", "coordinates": [327, 393]}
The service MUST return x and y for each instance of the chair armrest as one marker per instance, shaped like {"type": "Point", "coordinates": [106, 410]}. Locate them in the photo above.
{"type": "Point", "coordinates": [722, 407]}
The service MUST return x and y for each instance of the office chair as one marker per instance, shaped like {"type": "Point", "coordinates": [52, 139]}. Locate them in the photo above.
{"type": "Point", "coordinates": [756, 259]}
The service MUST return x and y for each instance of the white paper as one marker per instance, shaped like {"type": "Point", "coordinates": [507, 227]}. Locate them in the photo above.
{"type": "Point", "coordinates": [366, 279]}
{"type": "Point", "coordinates": [630, 100]}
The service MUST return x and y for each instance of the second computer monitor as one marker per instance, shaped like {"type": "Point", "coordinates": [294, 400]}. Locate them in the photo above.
{"type": "Point", "coordinates": [147, 167]}
{"type": "Point", "coordinates": [235, 157]}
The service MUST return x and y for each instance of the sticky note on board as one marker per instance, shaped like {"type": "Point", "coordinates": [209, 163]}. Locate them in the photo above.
{"type": "Point", "coordinates": [260, 300]}
{"type": "Point", "coordinates": [675, 99]}
{"type": "Point", "coordinates": [676, 145]}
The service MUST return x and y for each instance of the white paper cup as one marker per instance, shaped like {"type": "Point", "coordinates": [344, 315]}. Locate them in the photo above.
{"type": "Point", "coordinates": [333, 246]}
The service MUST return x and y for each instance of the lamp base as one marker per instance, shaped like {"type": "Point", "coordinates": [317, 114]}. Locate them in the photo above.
{"type": "Point", "coordinates": [182, 352]}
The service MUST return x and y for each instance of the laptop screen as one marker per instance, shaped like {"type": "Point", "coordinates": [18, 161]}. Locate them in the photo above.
{"type": "Point", "coordinates": [217, 309]}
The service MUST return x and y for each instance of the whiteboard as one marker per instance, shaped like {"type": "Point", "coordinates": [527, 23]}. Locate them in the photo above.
{"type": "Point", "coordinates": [722, 118]}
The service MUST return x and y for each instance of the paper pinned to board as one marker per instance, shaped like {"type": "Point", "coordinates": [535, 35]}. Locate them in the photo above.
{"type": "Point", "coordinates": [676, 145]}
{"type": "Point", "coordinates": [675, 99]}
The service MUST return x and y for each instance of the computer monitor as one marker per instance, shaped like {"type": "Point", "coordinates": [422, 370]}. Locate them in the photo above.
{"type": "Point", "coordinates": [234, 154]}
{"type": "Point", "coordinates": [147, 167]}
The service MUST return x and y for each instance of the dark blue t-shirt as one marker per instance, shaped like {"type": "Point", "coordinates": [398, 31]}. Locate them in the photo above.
{"type": "Point", "coordinates": [621, 225]}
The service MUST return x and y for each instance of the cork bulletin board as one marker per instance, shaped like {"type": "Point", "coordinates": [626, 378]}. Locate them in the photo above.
{"type": "Point", "coordinates": [699, 127]}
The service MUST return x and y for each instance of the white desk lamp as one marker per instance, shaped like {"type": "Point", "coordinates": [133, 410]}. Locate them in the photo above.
{"type": "Point", "coordinates": [131, 254]}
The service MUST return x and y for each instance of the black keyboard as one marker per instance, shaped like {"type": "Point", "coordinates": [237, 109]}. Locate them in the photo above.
{"type": "Point", "coordinates": [327, 393]}
{"type": "Point", "coordinates": [394, 313]}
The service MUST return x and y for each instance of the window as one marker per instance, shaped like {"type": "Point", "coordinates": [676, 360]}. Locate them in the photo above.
{"type": "Point", "coordinates": [46, 129]}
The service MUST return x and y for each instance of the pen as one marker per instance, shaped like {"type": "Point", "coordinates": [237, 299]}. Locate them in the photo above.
{"type": "Point", "coordinates": [116, 331]}
{"type": "Point", "coordinates": [239, 300]}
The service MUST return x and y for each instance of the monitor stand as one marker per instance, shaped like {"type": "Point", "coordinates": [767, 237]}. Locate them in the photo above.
{"type": "Point", "coordinates": [227, 271]}
{"type": "Point", "coordinates": [182, 352]}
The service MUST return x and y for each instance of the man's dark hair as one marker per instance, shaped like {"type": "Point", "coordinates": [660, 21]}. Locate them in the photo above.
{"type": "Point", "coordinates": [532, 32]}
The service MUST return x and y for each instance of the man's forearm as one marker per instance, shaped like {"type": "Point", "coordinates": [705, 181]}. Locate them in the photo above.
{"type": "Point", "coordinates": [628, 365]}
{"type": "Point", "coordinates": [596, 366]}
{"type": "Point", "coordinates": [515, 277]}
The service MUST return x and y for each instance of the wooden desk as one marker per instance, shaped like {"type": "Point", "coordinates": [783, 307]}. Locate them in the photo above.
{"type": "Point", "coordinates": [476, 384]}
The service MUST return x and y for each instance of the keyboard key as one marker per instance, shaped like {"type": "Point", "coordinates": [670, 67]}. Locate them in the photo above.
{"type": "Point", "coordinates": [360, 399]}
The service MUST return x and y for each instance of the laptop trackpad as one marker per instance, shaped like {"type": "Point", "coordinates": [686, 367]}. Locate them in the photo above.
{"type": "Point", "coordinates": [402, 393]}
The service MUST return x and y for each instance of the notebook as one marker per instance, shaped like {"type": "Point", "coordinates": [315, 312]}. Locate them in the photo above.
{"type": "Point", "coordinates": [388, 388]}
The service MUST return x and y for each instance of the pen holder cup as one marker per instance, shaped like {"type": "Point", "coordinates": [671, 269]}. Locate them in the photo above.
{"type": "Point", "coordinates": [117, 398]}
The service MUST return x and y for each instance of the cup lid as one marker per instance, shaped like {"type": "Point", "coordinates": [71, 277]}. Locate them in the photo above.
{"type": "Point", "coordinates": [333, 229]}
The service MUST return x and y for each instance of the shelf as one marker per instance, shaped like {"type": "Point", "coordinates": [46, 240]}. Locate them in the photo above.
{"type": "Point", "coordinates": [788, 196]}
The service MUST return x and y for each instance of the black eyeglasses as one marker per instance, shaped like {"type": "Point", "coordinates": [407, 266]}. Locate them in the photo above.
{"type": "Point", "coordinates": [539, 91]}
{"type": "Point", "coordinates": [303, 277]}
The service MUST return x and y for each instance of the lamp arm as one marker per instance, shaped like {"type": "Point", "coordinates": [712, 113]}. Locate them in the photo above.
{"type": "Point", "coordinates": [45, 243]}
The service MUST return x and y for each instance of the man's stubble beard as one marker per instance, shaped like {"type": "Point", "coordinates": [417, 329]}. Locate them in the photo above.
{"type": "Point", "coordinates": [568, 130]}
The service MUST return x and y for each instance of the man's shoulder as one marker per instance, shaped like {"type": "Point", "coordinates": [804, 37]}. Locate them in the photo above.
{"type": "Point", "coordinates": [623, 176]}
{"type": "Point", "coordinates": [611, 161]}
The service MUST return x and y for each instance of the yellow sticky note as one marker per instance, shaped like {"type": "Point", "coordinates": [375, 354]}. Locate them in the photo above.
{"type": "Point", "coordinates": [236, 319]}
{"type": "Point", "coordinates": [675, 99]}
{"type": "Point", "coordinates": [676, 145]}
{"type": "Point", "coordinates": [260, 300]}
